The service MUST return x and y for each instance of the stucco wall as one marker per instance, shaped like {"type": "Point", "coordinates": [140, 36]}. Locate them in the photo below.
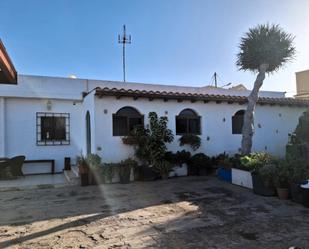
{"type": "Point", "coordinates": [276, 123]}
{"type": "Point", "coordinates": [88, 105]}
{"type": "Point", "coordinates": [20, 133]}
{"type": "Point", "coordinates": [302, 84]}
{"type": "Point", "coordinates": [2, 127]}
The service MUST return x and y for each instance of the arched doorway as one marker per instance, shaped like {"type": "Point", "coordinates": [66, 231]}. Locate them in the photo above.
{"type": "Point", "coordinates": [88, 133]}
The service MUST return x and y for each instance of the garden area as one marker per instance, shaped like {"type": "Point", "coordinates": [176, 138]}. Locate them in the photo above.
{"type": "Point", "coordinates": [267, 175]}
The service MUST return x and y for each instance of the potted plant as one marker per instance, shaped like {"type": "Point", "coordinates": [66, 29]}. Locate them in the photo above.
{"type": "Point", "coordinates": [262, 166]}
{"type": "Point", "coordinates": [125, 169]}
{"type": "Point", "coordinates": [83, 169]}
{"type": "Point", "coordinates": [281, 179]}
{"type": "Point", "coordinates": [199, 164]}
{"type": "Point", "coordinates": [151, 145]}
{"type": "Point", "coordinates": [241, 173]}
{"type": "Point", "coordinates": [305, 193]}
{"type": "Point", "coordinates": [224, 165]}
{"type": "Point", "coordinates": [129, 140]}
{"type": "Point", "coordinates": [263, 180]}
{"type": "Point", "coordinates": [299, 172]}
{"type": "Point", "coordinates": [192, 140]}
{"type": "Point", "coordinates": [108, 171]}
{"type": "Point", "coordinates": [179, 161]}
{"type": "Point", "coordinates": [94, 165]}
{"type": "Point", "coordinates": [163, 168]}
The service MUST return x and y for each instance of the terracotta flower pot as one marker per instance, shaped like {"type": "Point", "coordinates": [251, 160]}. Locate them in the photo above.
{"type": "Point", "coordinates": [283, 193]}
{"type": "Point", "coordinates": [83, 169]}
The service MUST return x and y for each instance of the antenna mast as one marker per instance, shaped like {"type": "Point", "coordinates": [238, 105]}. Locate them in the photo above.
{"type": "Point", "coordinates": [124, 39]}
{"type": "Point", "coordinates": [215, 79]}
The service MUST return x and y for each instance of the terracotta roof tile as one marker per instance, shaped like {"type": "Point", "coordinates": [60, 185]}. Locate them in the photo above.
{"type": "Point", "coordinates": [195, 96]}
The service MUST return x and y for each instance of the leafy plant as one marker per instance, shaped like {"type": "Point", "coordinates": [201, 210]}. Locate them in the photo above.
{"type": "Point", "coordinates": [255, 161]}
{"type": "Point", "coordinates": [81, 160]}
{"type": "Point", "coordinates": [94, 161]}
{"type": "Point", "coordinates": [163, 168]}
{"type": "Point", "coordinates": [299, 169]}
{"type": "Point", "coordinates": [182, 157]}
{"type": "Point", "coordinates": [298, 146]}
{"type": "Point", "coordinates": [190, 139]}
{"type": "Point", "coordinates": [282, 175]}
{"type": "Point", "coordinates": [129, 140]}
{"type": "Point", "coordinates": [151, 143]}
{"type": "Point", "coordinates": [268, 173]}
{"type": "Point", "coordinates": [108, 171]}
{"type": "Point", "coordinates": [199, 162]}
{"type": "Point", "coordinates": [222, 160]}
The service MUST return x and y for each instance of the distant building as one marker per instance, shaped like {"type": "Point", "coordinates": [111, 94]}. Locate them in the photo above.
{"type": "Point", "coordinates": [302, 84]}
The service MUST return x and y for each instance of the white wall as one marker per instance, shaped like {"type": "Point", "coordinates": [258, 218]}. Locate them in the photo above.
{"type": "Point", "coordinates": [88, 105]}
{"type": "Point", "coordinates": [20, 132]}
{"type": "Point", "coordinates": [212, 125]}
{"type": "Point", "coordinates": [2, 127]}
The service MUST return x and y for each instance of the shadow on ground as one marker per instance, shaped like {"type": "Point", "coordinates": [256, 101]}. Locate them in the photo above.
{"type": "Point", "coordinates": [191, 212]}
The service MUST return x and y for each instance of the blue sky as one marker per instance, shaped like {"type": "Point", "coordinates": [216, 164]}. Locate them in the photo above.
{"type": "Point", "coordinates": [174, 41]}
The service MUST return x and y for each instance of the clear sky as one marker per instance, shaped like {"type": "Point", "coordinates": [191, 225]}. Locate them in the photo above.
{"type": "Point", "coordinates": [174, 41]}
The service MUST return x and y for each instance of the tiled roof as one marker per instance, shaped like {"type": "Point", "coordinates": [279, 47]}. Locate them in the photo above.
{"type": "Point", "coordinates": [118, 93]}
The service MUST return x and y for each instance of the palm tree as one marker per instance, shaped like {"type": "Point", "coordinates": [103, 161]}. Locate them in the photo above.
{"type": "Point", "coordinates": [263, 49]}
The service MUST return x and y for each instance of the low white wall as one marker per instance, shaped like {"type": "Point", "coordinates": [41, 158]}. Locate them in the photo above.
{"type": "Point", "coordinates": [216, 126]}
{"type": "Point", "coordinates": [20, 135]}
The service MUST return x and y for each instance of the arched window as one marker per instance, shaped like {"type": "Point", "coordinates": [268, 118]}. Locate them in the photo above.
{"type": "Point", "coordinates": [125, 120]}
{"type": "Point", "coordinates": [188, 122]}
{"type": "Point", "coordinates": [238, 122]}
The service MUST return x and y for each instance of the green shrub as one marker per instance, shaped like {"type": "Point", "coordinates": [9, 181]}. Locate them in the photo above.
{"type": "Point", "coordinates": [198, 163]}
{"type": "Point", "coordinates": [255, 161]}
{"type": "Point", "coordinates": [282, 175]}
{"type": "Point", "coordinates": [94, 161]}
{"type": "Point", "coordinates": [163, 168]}
{"type": "Point", "coordinates": [182, 157]}
{"type": "Point", "coordinates": [151, 143]}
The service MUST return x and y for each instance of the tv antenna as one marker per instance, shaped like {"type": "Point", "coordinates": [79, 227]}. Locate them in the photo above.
{"type": "Point", "coordinates": [124, 39]}
{"type": "Point", "coordinates": [215, 79]}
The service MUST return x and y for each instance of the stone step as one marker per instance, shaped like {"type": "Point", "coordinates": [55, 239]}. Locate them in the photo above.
{"type": "Point", "coordinates": [75, 170]}
{"type": "Point", "coordinates": [71, 177]}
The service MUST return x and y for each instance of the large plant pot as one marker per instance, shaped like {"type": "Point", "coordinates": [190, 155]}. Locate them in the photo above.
{"type": "Point", "coordinates": [296, 192]}
{"type": "Point", "coordinates": [192, 170]}
{"type": "Point", "coordinates": [305, 194]}
{"type": "Point", "coordinates": [242, 178]}
{"type": "Point", "coordinates": [148, 174]}
{"type": "Point", "coordinates": [203, 171]}
{"type": "Point", "coordinates": [283, 193]}
{"type": "Point", "coordinates": [84, 179]}
{"type": "Point", "coordinates": [260, 188]}
{"type": "Point", "coordinates": [224, 174]}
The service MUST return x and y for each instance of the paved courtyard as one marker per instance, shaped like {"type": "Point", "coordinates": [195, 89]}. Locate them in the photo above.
{"type": "Point", "coordinates": [190, 212]}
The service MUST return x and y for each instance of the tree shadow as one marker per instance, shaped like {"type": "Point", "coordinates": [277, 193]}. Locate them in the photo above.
{"type": "Point", "coordinates": [72, 224]}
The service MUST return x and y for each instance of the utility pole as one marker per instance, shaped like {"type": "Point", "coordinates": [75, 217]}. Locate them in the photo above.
{"type": "Point", "coordinates": [124, 39]}
{"type": "Point", "coordinates": [215, 79]}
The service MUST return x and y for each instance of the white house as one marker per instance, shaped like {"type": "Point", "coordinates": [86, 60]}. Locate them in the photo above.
{"type": "Point", "coordinates": [53, 118]}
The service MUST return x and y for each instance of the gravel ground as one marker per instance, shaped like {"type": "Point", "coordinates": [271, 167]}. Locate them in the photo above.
{"type": "Point", "coordinates": [190, 212]}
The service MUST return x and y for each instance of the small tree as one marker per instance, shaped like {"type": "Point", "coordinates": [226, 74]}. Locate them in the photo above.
{"type": "Point", "coordinates": [151, 142]}
{"type": "Point", "coordinates": [263, 49]}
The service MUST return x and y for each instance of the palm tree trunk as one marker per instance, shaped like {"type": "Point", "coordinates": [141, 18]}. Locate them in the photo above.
{"type": "Point", "coordinates": [248, 127]}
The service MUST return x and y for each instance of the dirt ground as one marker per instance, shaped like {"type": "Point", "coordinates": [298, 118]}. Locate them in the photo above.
{"type": "Point", "coordinates": [190, 212]}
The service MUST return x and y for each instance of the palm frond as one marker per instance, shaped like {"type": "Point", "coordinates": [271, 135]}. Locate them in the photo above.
{"type": "Point", "coordinates": [265, 44]}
